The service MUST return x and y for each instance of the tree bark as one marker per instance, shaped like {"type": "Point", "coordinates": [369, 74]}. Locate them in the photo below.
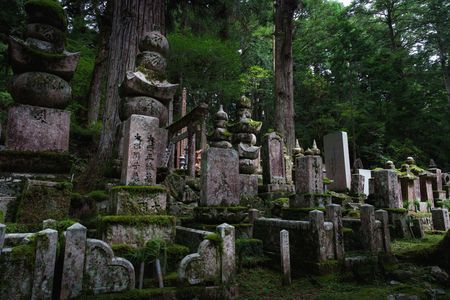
{"type": "Point", "coordinates": [131, 19]}
{"type": "Point", "coordinates": [284, 82]}
{"type": "Point", "coordinates": [95, 88]}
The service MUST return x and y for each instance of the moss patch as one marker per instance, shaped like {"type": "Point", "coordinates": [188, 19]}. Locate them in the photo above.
{"type": "Point", "coordinates": [46, 11]}
{"type": "Point", "coordinates": [163, 220]}
{"type": "Point", "coordinates": [141, 189]}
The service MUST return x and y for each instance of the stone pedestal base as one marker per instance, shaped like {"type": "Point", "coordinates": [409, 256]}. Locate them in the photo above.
{"type": "Point", "coordinates": [220, 214]}
{"type": "Point", "coordinates": [43, 200]}
{"type": "Point", "coordinates": [309, 200]}
{"type": "Point", "coordinates": [141, 200]}
{"type": "Point", "coordinates": [439, 195]}
{"type": "Point", "coordinates": [137, 230]}
{"type": "Point", "coordinates": [249, 185]}
{"type": "Point", "coordinates": [275, 187]}
{"type": "Point", "coordinates": [34, 128]}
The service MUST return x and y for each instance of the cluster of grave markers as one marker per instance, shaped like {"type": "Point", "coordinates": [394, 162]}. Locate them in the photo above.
{"type": "Point", "coordinates": [230, 168]}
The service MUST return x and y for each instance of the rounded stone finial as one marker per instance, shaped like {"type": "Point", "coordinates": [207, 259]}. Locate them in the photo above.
{"type": "Point", "coordinates": [244, 102]}
{"type": "Point", "coordinates": [389, 165]}
{"type": "Point", "coordinates": [298, 150]}
{"type": "Point", "coordinates": [309, 152]}
{"type": "Point", "coordinates": [410, 161]}
{"type": "Point", "coordinates": [314, 148]}
{"type": "Point", "coordinates": [221, 114]}
{"type": "Point", "coordinates": [154, 41]}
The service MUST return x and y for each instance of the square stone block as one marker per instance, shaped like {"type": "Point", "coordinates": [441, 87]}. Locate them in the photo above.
{"type": "Point", "coordinates": [220, 177]}
{"type": "Point", "coordinates": [140, 152]}
{"type": "Point", "coordinates": [138, 200]}
{"type": "Point", "coordinates": [43, 200]}
{"type": "Point", "coordinates": [34, 128]}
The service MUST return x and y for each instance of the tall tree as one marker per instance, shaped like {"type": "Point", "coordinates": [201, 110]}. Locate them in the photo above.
{"type": "Point", "coordinates": [284, 82]}
{"type": "Point", "coordinates": [131, 19]}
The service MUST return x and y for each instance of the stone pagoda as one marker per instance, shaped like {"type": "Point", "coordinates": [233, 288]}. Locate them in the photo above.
{"type": "Point", "coordinates": [146, 96]}
{"type": "Point", "coordinates": [40, 87]}
{"type": "Point", "coordinates": [138, 210]}
{"type": "Point", "coordinates": [244, 139]}
{"type": "Point", "coordinates": [37, 133]}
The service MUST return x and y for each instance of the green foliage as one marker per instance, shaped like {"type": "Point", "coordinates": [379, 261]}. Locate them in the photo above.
{"type": "Point", "coordinates": [98, 195]}
{"type": "Point", "coordinates": [216, 79]}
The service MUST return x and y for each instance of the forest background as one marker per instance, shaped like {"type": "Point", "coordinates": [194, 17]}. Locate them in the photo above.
{"type": "Point", "coordinates": [378, 69]}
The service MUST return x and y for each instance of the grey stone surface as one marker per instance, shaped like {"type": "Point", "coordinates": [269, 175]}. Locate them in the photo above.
{"type": "Point", "coordinates": [357, 185]}
{"type": "Point", "coordinates": [441, 219]}
{"type": "Point", "coordinates": [104, 273]}
{"type": "Point", "coordinates": [202, 266]}
{"type": "Point", "coordinates": [249, 184]}
{"type": "Point", "coordinates": [410, 190]}
{"type": "Point", "coordinates": [136, 83]}
{"type": "Point", "coordinates": [140, 151]}
{"type": "Point", "coordinates": [44, 264]}
{"type": "Point", "coordinates": [49, 223]}
{"type": "Point", "coordinates": [383, 217]}
{"type": "Point", "coordinates": [317, 229]}
{"type": "Point", "coordinates": [334, 215]}
{"type": "Point", "coordinates": [368, 228]}
{"type": "Point", "coordinates": [146, 106]}
{"type": "Point", "coordinates": [228, 256]}
{"type": "Point", "coordinates": [285, 257]}
{"type": "Point", "coordinates": [2, 236]}
{"type": "Point", "coordinates": [4, 203]}
{"type": "Point", "coordinates": [134, 235]}
{"type": "Point", "coordinates": [41, 89]}
{"type": "Point", "coordinates": [367, 175]}
{"type": "Point", "coordinates": [274, 171]}
{"type": "Point", "coordinates": [47, 33]}
{"type": "Point", "coordinates": [220, 184]}
{"type": "Point", "coordinates": [190, 237]}
{"type": "Point", "coordinates": [74, 254]}
{"type": "Point", "coordinates": [134, 203]}
{"type": "Point", "coordinates": [387, 189]}
{"type": "Point", "coordinates": [33, 128]}
{"type": "Point", "coordinates": [308, 175]}
{"type": "Point", "coordinates": [208, 264]}
{"type": "Point", "coordinates": [426, 188]}
{"type": "Point", "coordinates": [337, 160]}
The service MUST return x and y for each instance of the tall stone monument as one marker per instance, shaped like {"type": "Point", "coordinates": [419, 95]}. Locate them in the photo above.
{"type": "Point", "coordinates": [309, 189]}
{"type": "Point", "coordinates": [244, 139]}
{"type": "Point", "coordinates": [146, 95]}
{"type": "Point", "coordinates": [220, 167]}
{"type": "Point", "coordinates": [337, 160]}
{"type": "Point", "coordinates": [274, 169]}
{"type": "Point", "coordinates": [42, 69]}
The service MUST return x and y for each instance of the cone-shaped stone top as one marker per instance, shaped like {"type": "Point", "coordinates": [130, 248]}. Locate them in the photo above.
{"type": "Point", "coordinates": [298, 150]}
{"type": "Point", "coordinates": [314, 148]}
{"type": "Point", "coordinates": [244, 102]}
{"type": "Point", "coordinates": [410, 160]}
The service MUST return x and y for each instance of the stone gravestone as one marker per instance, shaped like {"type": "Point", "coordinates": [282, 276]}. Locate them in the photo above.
{"type": "Point", "coordinates": [367, 175]}
{"type": "Point", "coordinates": [285, 257]}
{"type": "Point", "coordinates": [220, 177]}
{"type": "Point", "coordinates": [337, 160]}
{"type": "Point", "coordinates": [48, 127]}
{"type": "Point", "coordinates": [273, 160]}
{"type": "Point", "coordinates": [139, 160]}
{"type": "Point", "coordinates": [308, 175]}
{"type": "Point", "coordinates": [441, 220]}
{"type": "Point", "coordinates": [387, 189]}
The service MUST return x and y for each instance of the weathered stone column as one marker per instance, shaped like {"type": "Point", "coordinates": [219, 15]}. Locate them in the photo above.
{"type": "Point", "coordinates": [383, 217]}
{"type": "Point", "coordinates": [317, 228]}
{"type": "Point", "coordinates": [334, 215]}
{"type": "Point", "coordinates": [357, 184]}
{"type": "Point", "coordinates": [440, 219]}
{"type": "Point", "coordinates": [228, 257]}
{"type": "Point", "coordinates": [191, 151]}
{"type": "Point", "coordinates": [2, 236]}
{"type": "Point", "coordinates": [368, 228]}
{"type": "Point", "coordinates": [285, 257]}
{"type": "Point", "coordinates": [74, 252]}
{"type": "Point", "coordinates": [44, 264]}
